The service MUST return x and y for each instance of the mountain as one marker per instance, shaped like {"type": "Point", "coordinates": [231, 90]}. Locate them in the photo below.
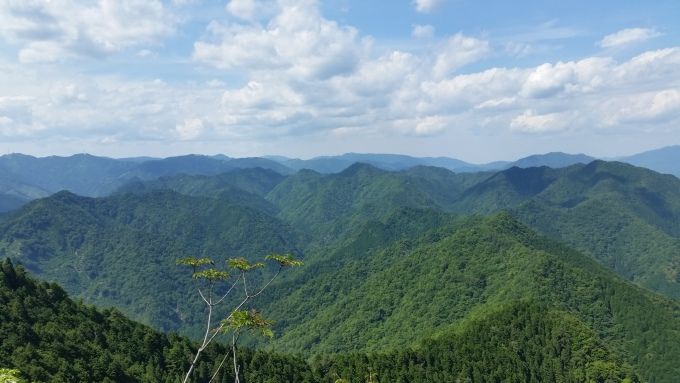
{"type": "Point", "coordinates": [336, 164]}
{"type": "Point", "coordinates": [552, 160]}
{"type": "Point", "coordinates": [24, 178]}
{"type": "Point", "coordinates": [327, 207]}
{"type": "Point", "coordinates": [199, 165]}
{"type": "Point", "coordinates": [412, 289]}
{"type": "Point", "coordinates": [664, 160]}
{"type": "Point", "coordinates": [243, 187]}
{"type": "Point", "coordinates": [394, 162]}
{"type": "Point", "coordinates": [49, 337]}
{"type": "Point", "coordinates": [624, 216]}
{"type": "Point", "coordinates": [81, 173]}
{"type": "Point", "coordinates": [121, 250]}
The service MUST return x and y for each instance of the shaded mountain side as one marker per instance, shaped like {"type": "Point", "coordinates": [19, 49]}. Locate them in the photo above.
{"type": "Point", "coordinates": [121, 250]}
{"type": "Point", "coordinates": [9, 202]}
{"type": "Point", "coordinates": [627, 218]}
{"type": "Point", "coordinates": [50, 338]}
{"type": "Point", "coordinates": [505, 189]}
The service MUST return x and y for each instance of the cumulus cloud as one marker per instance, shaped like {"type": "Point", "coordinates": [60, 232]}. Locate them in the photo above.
{"type": "Point", "coordinates": [457, 51]}
{"type": "Point", "coordinates": [644, 108]}
{"type": "Point", "coordinates": [426, 6]}
{"type": "Point", "coordinates": [627, 37]}
{"type": "Point", "coordinates": [49, 31]}
{"type": "Point", "coordinates": [298, 40]}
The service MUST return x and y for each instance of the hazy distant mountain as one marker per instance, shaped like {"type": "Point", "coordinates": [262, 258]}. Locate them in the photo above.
{"type": "Point", "coordinates": [664, 160]}
{"type": "Point", "coordinates": [24, 178]}
{"type": "Point", "coordinates": [552, 160]}
{"type": "Point", "coordinates": [336, 164]}
{"type": "Point", "coordinates": [82, 174]}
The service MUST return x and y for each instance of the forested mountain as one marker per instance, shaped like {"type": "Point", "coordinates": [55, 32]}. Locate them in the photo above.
{"type": "Point", "coordinates": [51, 338]}
{"type": "Point", "coordinates": [24, 178]}
{"type": "Point", "coordinates": [81, 173]}
{"type": "Point", "coordinates": [121, 250]}
{"type": "Point", "coordinates": [412, 288]}
{"type": "Point", "coordinates": [626, 217]}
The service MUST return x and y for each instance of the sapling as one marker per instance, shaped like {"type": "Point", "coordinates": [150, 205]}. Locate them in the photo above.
{"type": "Point", "coordinates": [209, 279]}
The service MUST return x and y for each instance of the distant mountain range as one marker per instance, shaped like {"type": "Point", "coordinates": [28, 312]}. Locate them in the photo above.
{"type": "Point", "coordinates": [24, 178]}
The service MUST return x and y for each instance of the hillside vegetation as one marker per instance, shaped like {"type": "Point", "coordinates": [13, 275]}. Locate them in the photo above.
{"type": "Point", "coordinates": [104, 346]}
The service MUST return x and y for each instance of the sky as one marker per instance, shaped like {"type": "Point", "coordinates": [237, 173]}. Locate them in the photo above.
{"type": "Point", "coordinates": [478, 80]}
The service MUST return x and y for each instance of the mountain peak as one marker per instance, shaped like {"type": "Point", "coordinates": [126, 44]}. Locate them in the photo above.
{"type": "Point", "coordinates": [360, 167]}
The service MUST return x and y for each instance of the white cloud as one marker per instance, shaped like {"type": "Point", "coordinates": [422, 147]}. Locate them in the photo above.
{"type": "Point", "coordinates": [457, 51]}
{"type": "Point", "coordinates": [422, 31]}
{"type": "Point", "coordinates": [531, 122]}
{"type": "Point", "coordinates": [426, 6]}
{"type": "Point", "coordinates": [250, 9]}
{"type": "Point", "coordinates": [430, 125]}
{"type": "Point", "coordinates": [49, 31]}
{"type": "Point", "coordinates": [189, 129]}
{"type": "Point", "coordinates": [627, 37]}
{"type": "Point", "coordinates": [67, 93]}
{"type": "Point", "coordinates": [644, 108]}
{"type": "Point", "coordinates": [297, 40]}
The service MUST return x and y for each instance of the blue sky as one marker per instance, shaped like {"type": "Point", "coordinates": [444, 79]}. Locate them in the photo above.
{"type": "Point", "coordinates": [476, 80]}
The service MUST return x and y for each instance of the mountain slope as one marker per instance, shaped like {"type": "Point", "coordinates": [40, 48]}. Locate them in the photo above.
{"type": "Point", "coordinates": [49, 337]}
{"type": "Point", "coordinates": [326, 207]}
{"type": "Point", "coordinates": [414, 289]}
{"type": "Point", "coordinates": [627, 218]}
{"type": "Point", "coordinates": [28, 177]}
{"type": "Point", "coordinates": [521, 342]}
{"type": "Point", "coordinates": [121, 250]}
{"type": "Point", "coordinates": [81, 173]}
{"type": "Point", "coordinates": [52, 338]}
{"type": "Point", "coordinates": [244, 187]}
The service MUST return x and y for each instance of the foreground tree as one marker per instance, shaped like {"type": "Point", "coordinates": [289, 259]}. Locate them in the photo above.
{"type": "Point", "coordinates": [215, 285]}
